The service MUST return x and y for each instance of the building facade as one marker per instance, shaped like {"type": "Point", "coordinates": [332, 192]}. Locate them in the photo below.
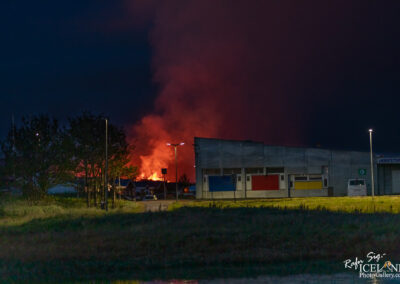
{"type": "Point", "coordinates": [388, 173]}
{"type": "Point", "coordinates": [246, 169]}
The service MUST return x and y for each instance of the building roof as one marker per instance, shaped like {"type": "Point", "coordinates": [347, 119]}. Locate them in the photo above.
{"type": "Point", "coordinates": [283, 146]}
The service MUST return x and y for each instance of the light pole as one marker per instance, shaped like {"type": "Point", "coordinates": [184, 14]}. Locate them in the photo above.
{"type": "Point", "coordinates": [164, 172]}
{"type": "Point", "coordinates": [13, 148]}
{"type": "Point", "coordinates": [176, 165]}
{"type": "Point", "coordinates": [106, 171]}
{"type": "Point", "coordinates": [372, 163]}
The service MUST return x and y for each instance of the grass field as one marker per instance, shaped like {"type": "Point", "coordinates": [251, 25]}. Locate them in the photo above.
{"type": "Point", "coordinates": [380, 204]}
{"type": "Point", "coordinates": [60, 240]}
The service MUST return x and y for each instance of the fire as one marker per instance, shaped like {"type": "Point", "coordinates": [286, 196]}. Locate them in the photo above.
{"type": "Point", "coordinates": [154, 177]}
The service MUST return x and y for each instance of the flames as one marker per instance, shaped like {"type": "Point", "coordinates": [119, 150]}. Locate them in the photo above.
{"type": "Point", "coordinates": [155, 155]}
{"type": "Point", "coordinates": [153, 176]}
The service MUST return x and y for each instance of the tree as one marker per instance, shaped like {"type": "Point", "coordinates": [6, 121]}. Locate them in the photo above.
{"type": "Point", "coordinates": [87, 132]}
{"type": "Point", "coordinates": [119, 167]}
{"type": "Point", "coordinates": [39, 155]}
{"type": "Point", "coordinates": [184, 181]}
{"type": "Point", "coordinates": [87, 135]}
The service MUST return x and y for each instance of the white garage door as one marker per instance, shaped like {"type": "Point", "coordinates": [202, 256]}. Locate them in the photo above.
{"type": "Point", "coordinates": [396, 181]}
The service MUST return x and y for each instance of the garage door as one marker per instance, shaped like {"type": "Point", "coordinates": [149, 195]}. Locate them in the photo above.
{"type": "Point", "coordinates": [308, 185]}
{"type": "Point", "coordinates": [221, 183]}
{"type": "Point", "coordinates": [396, 181]}
{"type": "Point", "coordinates": [270, 182]}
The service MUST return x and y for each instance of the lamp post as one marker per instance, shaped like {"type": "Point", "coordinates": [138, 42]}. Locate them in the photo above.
{"type": "Point", "coordinates": [164, 172]}
{"type": "Point", "coordinates": [106, 171]}
{"type": "Point", "coordinates": [176, 165]}
{"type": "Point", "coordinates": [372, 163]}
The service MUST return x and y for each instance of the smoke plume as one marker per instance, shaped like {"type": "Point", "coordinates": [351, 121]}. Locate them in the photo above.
{"type": "Point", "coordinates": [229, 69]}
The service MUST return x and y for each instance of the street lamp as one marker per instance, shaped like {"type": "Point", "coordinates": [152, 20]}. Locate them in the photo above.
{"type": "Point", "coordinates": [372, 163]}
{"type": "Point", "coordinates": [106, 170]}
{"type": "Point", "coordinates": [176, 165]}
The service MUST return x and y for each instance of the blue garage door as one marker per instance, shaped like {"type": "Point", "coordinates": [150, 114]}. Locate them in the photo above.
{"type": "Point", "coordinates": [221, 183]}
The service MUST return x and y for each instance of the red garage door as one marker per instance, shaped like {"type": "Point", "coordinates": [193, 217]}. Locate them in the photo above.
{"type": "Point", "coordinates": [265, 182]}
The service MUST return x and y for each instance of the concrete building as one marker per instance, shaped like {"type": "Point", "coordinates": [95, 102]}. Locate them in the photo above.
{"type": "Point", "coordinates": [388, 173]}
{"type": "Point", "coordinates": [246, 169]}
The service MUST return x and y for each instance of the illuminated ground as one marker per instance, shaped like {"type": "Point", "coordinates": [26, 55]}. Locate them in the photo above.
{"type": "Point", "coordinates": [60, 239]}
{"type": "Point", "coordinates": [383, 204]}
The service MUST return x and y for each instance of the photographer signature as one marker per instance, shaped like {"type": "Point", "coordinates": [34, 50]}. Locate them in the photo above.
{"type": "Point", "coordinates": [371, 256]}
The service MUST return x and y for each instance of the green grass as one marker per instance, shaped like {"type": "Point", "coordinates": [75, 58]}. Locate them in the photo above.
{"type": "Point", "coordinates": [17, 211]}
{"type": "Point", "coordinates": [60, 239]}
{"type": "Point", "coordinates": [378, 204]}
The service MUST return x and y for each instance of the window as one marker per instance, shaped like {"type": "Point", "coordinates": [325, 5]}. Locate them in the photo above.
{"type": "Point", "coordinates": [315, 178]}
{"type": "Point", "coordinates": [212, 172]}
{"type": "Point", "coordinates": [239, 178]}
{"type": "Point", "coordinates": [357, 182]}
{"type": "Point", "coordinates": [282, 177]}
{"type": "Point", "coordinates": [254, 171]}
{"type": "Point", "coordinates": [232, 171]}
{"type": "Point", "coordinates": [205, 179]}
{"type": "Point", "coordinates": [301, 178]}
{"type": "Point", "coordinates": [325, 182]}
{"type": "Point", "coordinates": [248, 178]}
{"type": "Point", "coordinates": [275, 170]}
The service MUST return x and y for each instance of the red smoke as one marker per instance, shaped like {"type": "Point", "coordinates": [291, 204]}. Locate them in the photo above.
{"type": "Point", "coordinates": [226, 70]}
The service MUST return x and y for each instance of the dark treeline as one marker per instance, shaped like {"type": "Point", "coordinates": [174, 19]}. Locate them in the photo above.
{"type": "Point", "coordinates": [40, 153]}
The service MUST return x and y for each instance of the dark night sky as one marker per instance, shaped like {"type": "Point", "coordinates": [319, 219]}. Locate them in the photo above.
{"type": "Point", "coordinates": [62, 58]}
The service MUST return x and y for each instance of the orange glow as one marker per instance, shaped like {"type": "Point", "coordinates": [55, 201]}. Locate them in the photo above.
{"type": "Point", "coordinates": [151, 135]}
{"type": "Point", "coordinates": [154, 177]}
{"type": "Point", "coordinates": [152, 162]}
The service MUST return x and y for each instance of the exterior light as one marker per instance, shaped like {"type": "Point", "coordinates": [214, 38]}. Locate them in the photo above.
{"type": "Point", "coordinates": [372, 163]}
{"type": "Point", "coordinates": [175, 145]}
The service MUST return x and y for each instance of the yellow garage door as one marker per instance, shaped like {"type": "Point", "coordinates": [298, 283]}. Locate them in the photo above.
{"type": "Point", "coordinates": [308, 185]}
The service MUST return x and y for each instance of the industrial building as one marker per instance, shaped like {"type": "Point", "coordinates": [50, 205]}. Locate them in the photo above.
{"type": "Point", "coordinates": [246, 169]}
{"type": "Point", "coordinates": [388, 173]}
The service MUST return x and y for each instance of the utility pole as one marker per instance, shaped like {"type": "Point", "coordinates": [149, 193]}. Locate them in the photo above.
{"type": "Point", "coordinates": [176, 172]}
{"type": "Point", "coordinates": [372, 164]}
{"type": "Point", "coordinates": [164, 172]}
{"type": "Point", "coordinates": [13, 147]}
{"type": "Point", "coordinates": [176, 165]}
{"type": "Point", "coordinates": [106, 171]}
{"type": "Point", "coordinates": [119, 186]}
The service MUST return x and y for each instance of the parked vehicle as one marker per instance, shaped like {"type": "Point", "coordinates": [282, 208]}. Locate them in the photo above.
{"type": "Point", "coordinates": [189, 192]}
{"type": "Point", "coordinates": [356, 187]}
